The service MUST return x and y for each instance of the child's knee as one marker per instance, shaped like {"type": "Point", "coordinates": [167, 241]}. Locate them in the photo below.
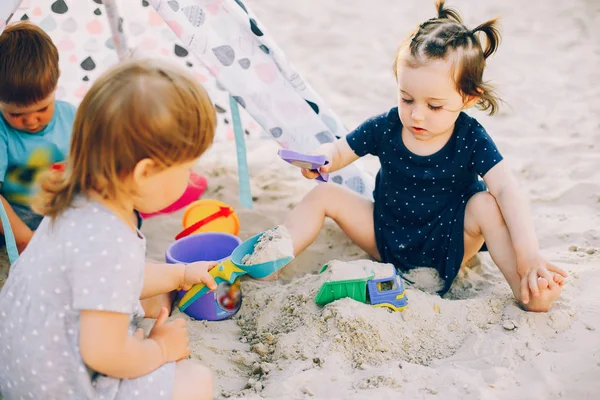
{"type": "Point", "coordinates": [153, 304]}
{"type": "Point", "coordinates": [193, 381]}
{"type": "Point", "coordinates": [203, 381]}
{"type": "Point", "coordinates": [483, 201]}
{"type": "Point", "coordinates": [204, 376]}
{"type": "Point", "coordinates": [485, 207]}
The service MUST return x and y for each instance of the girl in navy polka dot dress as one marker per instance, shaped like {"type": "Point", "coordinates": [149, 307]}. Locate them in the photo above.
{"type": "Point", "coordinates": [431, 209]}
{"type": "Point", "coordinates": [70, 309]}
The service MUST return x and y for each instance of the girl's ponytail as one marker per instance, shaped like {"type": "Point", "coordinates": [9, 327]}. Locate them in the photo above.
{"type": "Point", "coordinates": [447, 13]}
{"type": "Point", "coordinates": [492, 35]}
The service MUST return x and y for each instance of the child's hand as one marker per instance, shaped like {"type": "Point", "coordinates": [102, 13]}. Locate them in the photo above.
{"type": "Point", "coordinates": [312, 174]}
{"type": "Point", "coordinates": [531, 270]}
{"type": "Point", "coordinates": [172, 337]}
{"type": "Point", "coordinates": [198, 272]}
{"type": "Point", "coordinates": [324, 150]}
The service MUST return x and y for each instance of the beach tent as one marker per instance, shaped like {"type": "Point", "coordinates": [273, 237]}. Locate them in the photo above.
{"type": "Point", "coordinates": [81, 31]}
{"type": "Point", "coordinates": [221, 42]}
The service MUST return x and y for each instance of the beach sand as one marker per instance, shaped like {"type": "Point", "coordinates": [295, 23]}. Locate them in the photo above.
{"type": "Point", "coordinates": [476, 343]}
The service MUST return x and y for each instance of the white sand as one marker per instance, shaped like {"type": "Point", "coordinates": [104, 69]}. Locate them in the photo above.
{"type": "Point", "coordinates": [357, 269]}
{"type": "Point", "coordinates": [340, 270]}
{"type": "Point", "coordinates": [475, 344]}
{"type": "Point", "coordinates": [274, 244]}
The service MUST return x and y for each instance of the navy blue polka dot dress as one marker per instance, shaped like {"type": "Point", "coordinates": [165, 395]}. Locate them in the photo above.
{"type": "Point", "coordinates": [420, 201]}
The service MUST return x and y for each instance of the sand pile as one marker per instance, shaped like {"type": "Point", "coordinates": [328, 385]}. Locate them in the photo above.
{"type": "Point", "coordinates": [357, 269]}
{"type": "Point", "coordinates": [279, 323]}
{"type": "Point", "coordinates": [286, 330]}
{"type": "Point", "coordinates": [274, 244]}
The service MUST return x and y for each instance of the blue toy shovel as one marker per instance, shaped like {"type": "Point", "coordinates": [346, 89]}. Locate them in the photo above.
{"type": "Point", "coordinates": [231, 268]}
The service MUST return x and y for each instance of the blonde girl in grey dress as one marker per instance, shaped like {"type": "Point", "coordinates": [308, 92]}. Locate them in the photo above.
{"type": "Point", "coordinates": [70, 307]}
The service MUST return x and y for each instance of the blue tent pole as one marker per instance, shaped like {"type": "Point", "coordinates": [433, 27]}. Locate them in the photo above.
{"type": "Point", "coordinates": [240, 147]}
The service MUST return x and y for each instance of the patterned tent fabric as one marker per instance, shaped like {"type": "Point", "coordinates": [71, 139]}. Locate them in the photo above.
{"type": "Point", "coordinates": [220, 41]}
{"type": "Point", "coordinates": [80, 30]}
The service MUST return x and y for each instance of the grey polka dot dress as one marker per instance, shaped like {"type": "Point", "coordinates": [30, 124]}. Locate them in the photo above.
{"type": "Point", "coordinates": [420, 201]}
{"type": "Point", "coordinates": [86, 260]}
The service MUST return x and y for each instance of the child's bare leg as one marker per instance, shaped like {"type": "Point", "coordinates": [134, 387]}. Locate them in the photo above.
{"type": "Point", "coordinates": [352, 212]}
{"type": "Point", "coordinates": [152, 305]}
{"type": "Point", "coordinates": [193, 381]}
{"type": "Point", "coordinates": [484, 221]}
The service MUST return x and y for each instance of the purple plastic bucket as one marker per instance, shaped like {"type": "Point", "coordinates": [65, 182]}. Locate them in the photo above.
{"type": "Point", "coordinates": [206, 246]}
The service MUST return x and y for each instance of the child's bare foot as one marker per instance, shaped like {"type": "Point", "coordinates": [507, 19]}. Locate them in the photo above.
{"type": "Point", "coordinates": [559, 279]}
{"type": "Point", "coordinates": [153, 305]}
{"type": "Point", "coordinates": [547, 296]}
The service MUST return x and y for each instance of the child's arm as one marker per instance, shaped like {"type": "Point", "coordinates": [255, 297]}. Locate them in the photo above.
{"type": "Point", "coordinates": [339, 154]}
{"type": "Point", "coordinates": [164, 278]}
{"type": "Point", "coordinates": [515, 210]}
{"type": "Point", "coordinates": [107, 348]}
{"type": "Point", "coordinates": [21, 231]}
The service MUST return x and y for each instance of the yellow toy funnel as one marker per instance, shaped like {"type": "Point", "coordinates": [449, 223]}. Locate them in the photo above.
{"type": "Point", "coordinates": [230, 269]}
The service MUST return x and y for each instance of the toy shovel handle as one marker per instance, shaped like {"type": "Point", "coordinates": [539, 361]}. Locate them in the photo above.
{"type": "Point", "coordinates": [323, 176]}
{"type": "Point", "coordinates": [200, 289]}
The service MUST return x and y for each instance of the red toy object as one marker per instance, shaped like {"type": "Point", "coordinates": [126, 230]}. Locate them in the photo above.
{"type": "Point", "coordinates": [223, 212]}
{"type": "Point", "coordinates": [197, 186]}
{"type": "Point", "coordinates": [60, 167]}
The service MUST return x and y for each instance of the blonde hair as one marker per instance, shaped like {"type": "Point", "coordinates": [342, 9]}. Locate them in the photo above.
{"type": "Point", "coordinates": [142, 109]}
{"type": "Point", "coordinates": [446, 35]}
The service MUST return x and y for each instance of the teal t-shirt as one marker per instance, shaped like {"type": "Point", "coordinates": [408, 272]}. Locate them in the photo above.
{"type": "Point", "coordinates": [23, 155]}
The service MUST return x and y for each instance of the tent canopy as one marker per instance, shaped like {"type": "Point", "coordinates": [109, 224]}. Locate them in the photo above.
{"type": "Point", "coordinates": [222, 44]}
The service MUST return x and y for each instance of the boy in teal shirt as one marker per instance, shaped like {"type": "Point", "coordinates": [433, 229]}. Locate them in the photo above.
{"type": "Point", "coordinates": [35, 129]}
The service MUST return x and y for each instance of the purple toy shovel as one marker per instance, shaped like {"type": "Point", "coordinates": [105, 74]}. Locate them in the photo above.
{"type": "Point", "coordinates": [306, 161]}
